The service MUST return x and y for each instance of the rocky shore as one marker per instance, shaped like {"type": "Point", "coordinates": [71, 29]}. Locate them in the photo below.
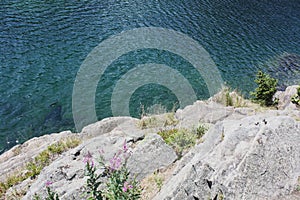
{"type": "Point", "coordinates": [248, 152]}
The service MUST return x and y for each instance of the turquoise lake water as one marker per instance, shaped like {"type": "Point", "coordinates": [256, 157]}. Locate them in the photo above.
{"type": "Point", "coordinates": [43, 44]}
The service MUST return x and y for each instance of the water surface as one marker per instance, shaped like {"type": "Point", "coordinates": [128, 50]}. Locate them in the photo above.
{"type": "Point", "coordinates": [43, 43]}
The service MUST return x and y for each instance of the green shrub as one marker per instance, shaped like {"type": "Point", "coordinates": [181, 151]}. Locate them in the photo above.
{"type": "Point", "coordinates": [182, 140]}
{"type": "Point", "coordinates": [93, 182]}
{"type": "Point", "coordinates": [118, 186]}
{"type": "Point", "coordinates": [178, 139]}
{"type": "Point", "coordinates": [201, 130]}
{"type": "Point", "coordinates": [296, 98]}
{"type": "Point", "coordinates": [51, 195]}
{"type": "Point", "coordinates": [165, 134]}
{"type": "Point", "coordinates": [266, 89]}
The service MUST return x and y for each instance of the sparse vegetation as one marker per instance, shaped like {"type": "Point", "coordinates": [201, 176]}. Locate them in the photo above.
{"type": "Point", "coordinates": [298, 186]}
{"type": "Point", "coordinates": [170, 120]}
{"type": "Point", "coordinates": [148, 122]}
{"type": "Point", "coordinates": [201, 130]}
{"type": "Point", "coordinates": [296, 98]}
{"type": "Point", "coordinates": [17, 194]}
{"type": "Point", "coordinates": [16, 150]}
{"type": "Point", "coordinates": [182, 139]}
{"type": "Point", "coordinates": [34, 167]}
{"type": "Point", "coordinates": [228, 97]}
{"type": "Point", "coordinates": [166, 134]}
{"type": "Point", "coordinates": [266, 89]}
{"type": "Point", "coordinates": [165, 120]}
{"type": "Point", "coordinates": [222, 136]}
{"type": "Point", "coordinates": [220, 195]}
{"type": "Point", "coordinates": [229, 101]}
{"type": "Point", "coordinates": [178, 139]}
{"type": "Point", "coordinates": [154, 182]}
{"type": "Point", "coordinates": [158, 180]}
{"type": "Point", "coordinates": [118, 185]}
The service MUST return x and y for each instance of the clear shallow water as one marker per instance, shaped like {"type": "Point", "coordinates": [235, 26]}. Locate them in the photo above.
{"type": "Point", "coordinates": [43, 43]}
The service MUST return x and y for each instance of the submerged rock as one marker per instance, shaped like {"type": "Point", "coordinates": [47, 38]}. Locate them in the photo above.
{"type": "Point", "coordinates": [284, 67]}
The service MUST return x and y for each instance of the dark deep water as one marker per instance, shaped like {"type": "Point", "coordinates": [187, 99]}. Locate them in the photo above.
{"type": "Point", "coordinates": [43, 43]}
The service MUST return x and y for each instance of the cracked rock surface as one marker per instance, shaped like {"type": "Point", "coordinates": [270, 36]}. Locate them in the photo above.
{"type": "Point", "coordinates": [256, 158]}
{"type": "Point", "coordinates": [247, 153]}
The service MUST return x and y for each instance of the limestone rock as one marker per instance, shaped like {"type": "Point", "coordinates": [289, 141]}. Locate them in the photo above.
{"type": "Point", "coordinates": [150, 155]}
{"type": "Point", "coordinates": [200, 111]}
{"type": "Point", "coordinates": [252, 158]}
{"type": "Point", "coordinates": [104, 126]}
{"type": "Point", "coordinates": [284, 98]}
{"type": "Point", "coordinates": [248, 153]}
{"type": "Point", "coordinates": [67, 171]}
{"type": "Point", "coordinates": [15, 158]}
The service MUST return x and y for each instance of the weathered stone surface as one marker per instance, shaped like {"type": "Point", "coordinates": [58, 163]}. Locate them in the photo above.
{"type": "Point", "coordinates": [252, 158]}
{"type": "Point", "coordinates": [150, 155]}
{"type": "Point", "coordinates": [284, 98]}
{"type": "Point", "coordinates": [248, 153]}
{"type": "Point", "coordinates": [203, 112]}
{"type": "Point", "coordinates": [15, 159]}
{"type": "Point", "coordinates": [67, 171]}
{"type": "Point", "coordinates": [104, 126]}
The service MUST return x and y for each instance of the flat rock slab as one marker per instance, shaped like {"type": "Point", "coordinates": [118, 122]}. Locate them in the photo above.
{"type": "Point", "coordinates": [149, 155]}
{"type": "Point", "coordinates": [202, 112]}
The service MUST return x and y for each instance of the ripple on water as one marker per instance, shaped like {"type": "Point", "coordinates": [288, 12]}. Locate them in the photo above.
{"type": "Point", "coordinates": [43, 44]}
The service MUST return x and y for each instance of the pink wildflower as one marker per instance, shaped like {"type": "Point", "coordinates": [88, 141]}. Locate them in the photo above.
{"type": "Point", "coordinates": [115, 163]}
{"type": "Point", "coordinates": [48, 183]}
{"type": "Point", "coordinates": [88, 158]}
{"type": "Point", "coordinates": [101, 151]}
{"type": "Point", "coordinates": [126, 186]}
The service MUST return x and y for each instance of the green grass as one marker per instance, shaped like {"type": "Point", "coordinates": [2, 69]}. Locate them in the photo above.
{"type": "Point", "coordinates": [228, 99]}
{"type": "Point", "coordinates": [158, 180]}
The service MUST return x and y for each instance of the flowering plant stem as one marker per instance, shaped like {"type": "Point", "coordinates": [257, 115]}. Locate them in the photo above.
{"type": "Point", "coordinates": [93, 183]}
{"type": "Point", "coordinates": [51, 195]}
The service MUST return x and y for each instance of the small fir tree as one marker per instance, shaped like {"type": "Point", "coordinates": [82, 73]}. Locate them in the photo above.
{"type": "Point", "coordinates": [266, 89]}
